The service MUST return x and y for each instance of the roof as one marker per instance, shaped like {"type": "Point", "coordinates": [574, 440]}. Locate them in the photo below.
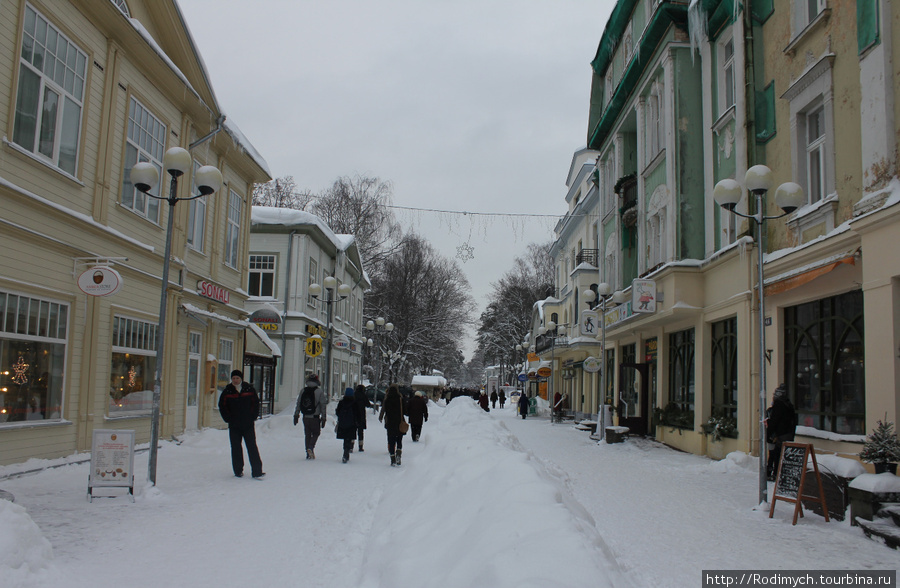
{"type": "Point", "coordinates": [271, 215]}
{"type": "Point", "coordinates": [433, 381]}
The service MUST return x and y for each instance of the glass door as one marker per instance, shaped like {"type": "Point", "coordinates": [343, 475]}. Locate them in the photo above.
{"type": "Point", "coordinates": [192, 394]}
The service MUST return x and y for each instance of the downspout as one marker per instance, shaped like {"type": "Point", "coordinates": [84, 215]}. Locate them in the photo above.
{"type": "Point", "coordinates": [287, 291]}
{"type": "Point", "coordinates": [209, 135]}
{"type": "Point", "coordinates": [750, 97]}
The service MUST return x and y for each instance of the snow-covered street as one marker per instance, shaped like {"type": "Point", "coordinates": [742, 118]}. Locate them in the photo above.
{"type": "Point", "coordinates": [484, 499]}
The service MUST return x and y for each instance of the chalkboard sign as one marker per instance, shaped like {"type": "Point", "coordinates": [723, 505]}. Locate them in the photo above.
{"type": "Point", "coordinates": [791, 477]}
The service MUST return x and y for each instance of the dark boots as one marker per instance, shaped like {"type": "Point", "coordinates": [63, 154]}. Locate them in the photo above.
{"type": "Point", "coordinates": [360, 446]}
{"type": "Point", "coordinates": [399, 452]}
{"type": "Point", "coordinates": [393, 460]}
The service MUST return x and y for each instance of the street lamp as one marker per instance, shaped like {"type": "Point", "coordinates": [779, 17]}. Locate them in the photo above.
{"type": "Point", "coordinates": [788, 197]}
{"type": "Point", "coordinates": [378, 328]}
{"type": "Point", "coordinates": [603, 291]}
{"type": "Point", "coordinates": [553, 331]}
{"type": "Point", "coordinates": [145, 177]}
{"type": "Point", "coordinates": [315, 290]}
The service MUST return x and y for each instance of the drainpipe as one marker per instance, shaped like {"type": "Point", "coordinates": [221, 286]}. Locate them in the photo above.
{"type": "Point", "coordinates": [209, 135]}
{"type": "Point", "coordinates": [287, 291]}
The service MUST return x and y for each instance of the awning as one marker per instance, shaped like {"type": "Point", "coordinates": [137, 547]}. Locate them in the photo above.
{"type": "Point", "coordinates": [200, 314]}
{"type": "Point", "coordinates": [800, 276]}
{"type": "Point", "coordinates": [262, 336]}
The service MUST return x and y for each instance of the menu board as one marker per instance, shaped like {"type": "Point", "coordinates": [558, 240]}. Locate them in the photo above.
{"type": "Point", "coordinates": [112, 460]}
{"type": "Point", "coordinates": [791, 478]}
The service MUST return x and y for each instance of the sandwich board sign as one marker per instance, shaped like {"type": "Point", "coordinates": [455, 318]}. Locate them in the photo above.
{"type": "Point", "coordinates": [112, 462]}
{"type": "Point", "coordinates": [791, 478]}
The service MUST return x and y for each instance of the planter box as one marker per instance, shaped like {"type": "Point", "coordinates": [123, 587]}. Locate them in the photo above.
{"type": "Point", "coordinates": [616, 434]}
{"type": "Point", "coordinates": [837, 495]}
{"type": "Point", "coordinates": [869, 492]}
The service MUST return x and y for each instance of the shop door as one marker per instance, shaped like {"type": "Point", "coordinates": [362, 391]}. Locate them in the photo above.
{"type": "Point", "coordinates": [192, 394]}
{"type": "Point", "coordinates": [634, 397]}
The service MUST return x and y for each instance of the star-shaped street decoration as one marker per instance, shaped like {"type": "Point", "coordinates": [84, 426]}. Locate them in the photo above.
{"type": "Point", "coordinates": [465, 252]}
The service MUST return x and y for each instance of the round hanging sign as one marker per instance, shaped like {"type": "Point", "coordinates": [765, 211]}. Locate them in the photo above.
{"type": "Point", "coordinates": [591, 365]}
{"type": "Point", "coordinates": [100, 281]}
{"type": "Point", "coordinates": [544, 372]}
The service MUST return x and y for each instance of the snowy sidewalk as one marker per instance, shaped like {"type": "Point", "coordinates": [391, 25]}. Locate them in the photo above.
{"type": "Point", "coordinates": [485, 499]}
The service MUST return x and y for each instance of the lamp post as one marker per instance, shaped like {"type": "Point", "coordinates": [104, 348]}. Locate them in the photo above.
{"type": "Point", "coordinates": [554, 331]}
{"type": "Point", "coordinates": [788, 197]}
{"type": "Point", "coordinates": [603, 291]}
{"type": "Point", "coordinates": [145, 177]}
{"type": "Point", "coordinates": [315, 290]}
{"type": "Point", "coordinates": [379, 327]}
{"type": "Point", "coordinates": [516, 362]}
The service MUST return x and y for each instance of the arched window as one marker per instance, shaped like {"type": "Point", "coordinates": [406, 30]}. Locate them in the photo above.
{"type": "Point", "coordinates": [123, 8]}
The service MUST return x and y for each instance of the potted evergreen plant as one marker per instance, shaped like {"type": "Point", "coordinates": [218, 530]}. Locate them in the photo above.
{"type": "Point", "coordinates": [882, 448]}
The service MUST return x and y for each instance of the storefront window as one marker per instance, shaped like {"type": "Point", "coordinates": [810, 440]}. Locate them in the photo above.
{"type": "Point", "coordinates": [32, 358]}
{"type": "Point", "coordinates": [724, 369]}
{"type": "Point", "coordinates": [680, 410]}
{"type": "Point", "coordinates": [132, 366]}
{"type": "Point", "coordinates": [824, 363]}
{"type": "Point", "coordinates": [226, 360]}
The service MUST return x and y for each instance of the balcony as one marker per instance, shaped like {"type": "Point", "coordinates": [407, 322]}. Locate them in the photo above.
{"type": "Point", "coordinates": [588, 256]}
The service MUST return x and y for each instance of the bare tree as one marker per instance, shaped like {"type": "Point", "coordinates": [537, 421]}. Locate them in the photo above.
{"type": "Point", "coordinates": [359, 206]}
{"type": "Point", "coordinates": [281, 193]}
{"type": "Point", "coordinates": [427, 298]}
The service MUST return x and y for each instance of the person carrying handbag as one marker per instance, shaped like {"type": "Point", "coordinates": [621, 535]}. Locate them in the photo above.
{"type": "Point", "coordinates": [395, 425]}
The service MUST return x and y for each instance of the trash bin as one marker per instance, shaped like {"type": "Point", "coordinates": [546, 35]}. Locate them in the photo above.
{"type": "Point", "coordinates": [532, 406]}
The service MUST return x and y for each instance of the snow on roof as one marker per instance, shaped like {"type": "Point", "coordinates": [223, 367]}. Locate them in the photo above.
{"type": "Point", "coordinates": [270, 215]}
{"type": "Point", "coordinates": [261, 334]}
{"type": "Point", "coordinates": [428, 381]}
{"type": "Point", "coordinates": [233, 131]}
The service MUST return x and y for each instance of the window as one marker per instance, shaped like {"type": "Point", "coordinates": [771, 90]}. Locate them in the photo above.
{"type": "Point", "coordinates": [313, 278]}
{"type": "Point", "coordinates": [824, 358]}
{"type": "Point", "coordinates": [120, 4]}
{"type": "Point", "coordinates": [805, 12]}
{"type": "Point", "coordinates": [815, 153]}
{"type": "Point", "coordinates": [132, 372]}
{"type": "Point", "coordinates": [681, 375]}
{"type": "Point", "coordinates": [226, 361]}
{"type": "Point", "coordinates": [262, 275]}
{"type": "Point", "coordinates": [146, 142]}
{"type": "Point", "coordinates": [233, 229]}
{"type": "Point", "coordinates": [726, 75]}
{"type": "Point", "coordinates": [196, 229]}
{"type": "Point", "coordinates": [724, 369]}
{"type": "Point", "coordinates": [50, 96]}
{"type": "Point", "coordinates": [609, 195]}
{"type": "Point", "coordinates": [655, 121]}
{"type": "Point", "coordinates": [656, 240]}
{"type": "Point", "coordinates": [32, 355]}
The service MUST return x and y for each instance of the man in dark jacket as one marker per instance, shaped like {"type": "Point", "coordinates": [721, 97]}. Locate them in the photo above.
{"type": "Point", "coordinates": [361, 401]}
{"type": "Point", "coordinates": [239, 407]}
{"type": "Point", "coordinates": [781, 422]}
{"type": "Point", "coordinates": [417, 409]}
{"type": "Point", "coordinates": [523, 404]}
{"type": "Point", "coordinates": [347, 422]}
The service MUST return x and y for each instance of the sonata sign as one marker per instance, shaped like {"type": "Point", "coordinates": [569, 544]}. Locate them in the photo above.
{"type": "Point", "coordinates": [100, 281]}
{"type": "Point", "coordinates": [217, 293]}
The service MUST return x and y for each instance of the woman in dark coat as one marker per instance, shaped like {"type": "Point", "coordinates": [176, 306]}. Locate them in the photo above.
{"type": "Point", "coordinates": [494, 398]}
{"type": "Point", "coordinates": [347, 419]}
{"type": "Point", "coordinates": [417, 410]}
{"type": "Point", "coordinates": [391, 414]}
{"type": "Point", "coordinates": [483, 401]}
{"type": "Point", "coordinates": [361, 401]}
{"type": "Point", "coordinates": [502, 398]}
{"type": "Point", "coordinates": [781, 422]}
{"type": "Point", "coordinates": [523, 405]}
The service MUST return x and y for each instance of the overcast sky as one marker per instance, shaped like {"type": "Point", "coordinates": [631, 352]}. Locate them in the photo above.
{"type": "Point", "coordinates": [463, 105]}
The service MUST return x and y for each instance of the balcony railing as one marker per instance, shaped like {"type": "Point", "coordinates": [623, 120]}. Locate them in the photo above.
{"type": "Point", "coordinates": [588, 256]}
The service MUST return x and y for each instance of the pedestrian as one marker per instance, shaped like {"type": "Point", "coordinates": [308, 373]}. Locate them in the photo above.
{"type": "Point", "coordinates": [483, 401]}
{"type": "Point", "coordinates": [523, 405]}
{"type": "Point", "coordinates": [347, 422]}
{"type": "Point", "coordinates": [417, 410]}
{"type": "Point", "coordinates": [494, 398]}
{"type": "Point", "coordinates": [781, 423]}
{"type": "Point", "coordinates": [361, 403]}
{"type": "Point", "coordinates": [239, 407]}
{"type": "Point", "coordinates": [311, 405]}
{"type": "Point", "coordinates": [502, 397]}
{"type": "Point", "coordinates": [392, 415]}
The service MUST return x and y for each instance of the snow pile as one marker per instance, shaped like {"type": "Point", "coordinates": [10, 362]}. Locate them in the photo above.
{"type": "Point", "coordinates": [24, 552]}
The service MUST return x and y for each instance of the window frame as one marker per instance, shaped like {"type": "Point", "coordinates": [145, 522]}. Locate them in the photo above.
{"type": "Point", "coordinates": [70, 90]}
{"type": "Point", "coordinates": [233, 229]}
{"type": "Point", "coordinates": [198, 208]}
{"type": "Point", "coordinates": [268, 269]}
{"type": "Point", "coordinates": [133, 337]}
{"type": "Point", "coordinates": [149, 148]}
{"type": "Point", "coordinates": [682, 378]}
{"type": "Point", "coordinates": [726, 70]}
{"type": "Point", "coordinates": [724, 344]}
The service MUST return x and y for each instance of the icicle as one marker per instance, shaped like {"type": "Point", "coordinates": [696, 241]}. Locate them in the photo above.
{"type": "Point", "coordinates": [696, 26]}
{"type": "Point", "coordinates": [743, 247]}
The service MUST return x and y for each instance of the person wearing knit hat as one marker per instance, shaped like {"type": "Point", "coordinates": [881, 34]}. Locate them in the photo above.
{"type": "Point", "coordinates": [346, 422]}
{"type": "Point", "coordinates": [239, 407]}
{"type": "Point", "coordinates": [417, 409]}
{"type": "Point", "coordinates": [311, 404]}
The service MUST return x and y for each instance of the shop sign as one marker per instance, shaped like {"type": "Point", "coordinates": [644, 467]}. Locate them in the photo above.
{"type": "Point", "coordinates": [650, 350]}
{"type": "Point", "coordinates": [341, 342]}
{"type": "Point", "coordinates": [643, 295]}
{"type": "Point", "coordinates": [591, 364]}
{"type": "Point", "coordinates": [267, 326]}
{"type": "Point", "coordinates": [590, 322]}
{"type": "Point", "coordinates": [217, 293]}
{"type": "Point", "coordinates": [523, 377]}
{"type": "Point", "coordinates": [112, 460]}
{"type": "Point", "coordinates": [100, 281]}
{"type": "Point", "coordinates": [265, 315]}
{"type": "Point", "coordinates": [316, 330]}
{"type": "Point", "coordinates": [533, 357]}
{"type": "Point", "coordinates": [544, 372]}
{"type": "Point", "coordinates": [314, 346]}
{"type": "Point", "coordinates": [618, 314]}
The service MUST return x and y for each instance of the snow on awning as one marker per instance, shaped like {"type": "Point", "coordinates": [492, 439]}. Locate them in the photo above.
{"type": "Point", "coordinates": [800, 276]}
{"type": "Point", "coordinates": [264, 337]}
{"type": "Point", "coordinates": [430, 381]}
{"type": "Point", "coordinates": [199, 313]}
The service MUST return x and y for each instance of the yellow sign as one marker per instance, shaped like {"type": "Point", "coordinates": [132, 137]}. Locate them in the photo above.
{"type": "Point", "coordinates": [313, 346]}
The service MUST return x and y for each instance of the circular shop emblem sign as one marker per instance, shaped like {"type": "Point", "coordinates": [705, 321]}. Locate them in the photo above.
{"type": "Point", "coordinates": [544, 372]}
{"type": "Point", "coordinates": [100, 281]}
{"type": "Point", "coordinates": [591, 365]}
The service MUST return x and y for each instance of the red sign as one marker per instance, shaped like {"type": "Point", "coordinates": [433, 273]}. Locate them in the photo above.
{"type": "Point", "coordinates": [217, 293]}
